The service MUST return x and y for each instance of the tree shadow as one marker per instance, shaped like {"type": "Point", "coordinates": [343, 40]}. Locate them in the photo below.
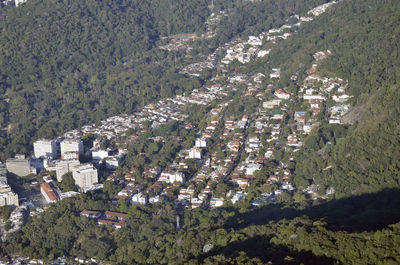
{"type": "Point", "coordinates": [367, 212]}
{"type": "Point", "coordinates": [261, 248]}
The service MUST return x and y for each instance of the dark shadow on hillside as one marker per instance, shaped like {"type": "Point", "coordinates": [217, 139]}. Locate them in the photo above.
{"type": "Point", "coordinates": [368, 212]}
{"type": "Point", "coordinates": [260, 247]}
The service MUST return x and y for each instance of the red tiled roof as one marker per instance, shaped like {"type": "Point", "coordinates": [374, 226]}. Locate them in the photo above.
{"type": "Point", "coordinates": [49, 191]}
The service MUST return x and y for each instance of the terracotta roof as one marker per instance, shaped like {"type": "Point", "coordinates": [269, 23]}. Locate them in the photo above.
{"type": "Point", "coordinates": [115, 214]}
{"type": "Point", "coordinates": [49, 191]}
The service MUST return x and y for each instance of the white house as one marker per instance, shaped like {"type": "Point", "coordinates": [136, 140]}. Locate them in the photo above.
{"type": "Point", "coordinates": [201, 142]}
{"type": "Point", "coordinates": [271, 103]}
{"type": "Point", "coordinates": [262, 53]}
{"type": "Point", "coordinates": [139, 198]}
{"type": "Point", "coordinates": [254, 41]}
{"type": "Point", "coordinates": [195, 153]}
{"type": "Point", "coordinates": [276, 73]}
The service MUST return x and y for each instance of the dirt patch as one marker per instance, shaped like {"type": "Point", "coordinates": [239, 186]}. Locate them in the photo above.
{"type": "Point", "coordinates": [353, 114]}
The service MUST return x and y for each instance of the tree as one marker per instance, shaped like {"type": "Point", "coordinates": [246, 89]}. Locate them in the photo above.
{"type": "Point", "coordinates": [68, 183]}
{"type": "Point", "coordinates": [5, 212]}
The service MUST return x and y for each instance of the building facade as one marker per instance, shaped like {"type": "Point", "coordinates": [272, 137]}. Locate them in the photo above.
{"type": "Point", "coordinates": [18, 166]}
{"type": "Point", "coordinates": [85, 176]}
{"type": "Point", "coordinates": [45, 148]}
{"type": "Point", "coordinates": [65, 166]}
{"type": "Point", "coordinates": [71, 145]}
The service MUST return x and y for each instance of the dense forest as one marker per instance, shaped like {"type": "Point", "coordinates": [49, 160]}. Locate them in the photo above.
{"type": "Point", "coordinates": [346, 231]}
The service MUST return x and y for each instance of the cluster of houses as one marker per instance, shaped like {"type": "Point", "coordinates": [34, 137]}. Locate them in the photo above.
{"type": "Point", "coordinates": [114, 219]}
{"type": "Point", "coordinates": [215, 167]}
{"type": "Point", "coordinates": [321, 9]}
{"type": "Point", "coordinates": [183, 41]}
{"type": "Point", "coordinates": [317, 89]}
{"type": "Point", "coordinates": [244, 50]}
{"type": "Point", "coordinates": [179, 42]}
{"type": "Point", "coordinates": [17, 219]}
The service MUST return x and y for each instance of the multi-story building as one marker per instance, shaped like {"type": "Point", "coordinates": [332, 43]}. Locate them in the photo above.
{"type": "Point", "coordinates": [71, 145]}
{"type": "Point", "coordinates": [18, 165]}
{"type": "Point", "coordinates": [65, 166]}
{"type": "Point", "coordinates": [98, 155]}
{"type": "Point", "coordinates": [45, 148]}
{"type": "Point", "coordinates": [7, 196]}
{"type": "Point", "coordinates": [70, 155]}
{"type": "Point", "coordinates": [85, 175]}
{"type": "Point", "coordinates": [113, 162]}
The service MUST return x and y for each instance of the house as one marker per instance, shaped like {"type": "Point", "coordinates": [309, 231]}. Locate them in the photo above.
{"type": "Point", "coordinates": [281, 94]}
{"type": "Point", "coordinates": [254, 41]}
{"type": "Point", "coordinates": [251, 168]}
{"type": "Point", "coordinates": [276, 73]}
{"type": "Point", "coordinates": [273, 178]}
{"type": "Point", "coordinates": [113, 224]}
{"type": "Point", "coordinates": [216, 202]}
{"type": "Point", "coordinates": [201, 143]}
{"type": "Point", "coordinates": [307, 128]}
{"type": "Point", "coordinates": [91, 214]}
{"type": "Point", "coordinates": [195, 153]}
{"type": "Point", "coordinates": [155, 199]}
{"type": "Point", "coordinates": [277, 117]}
{"type": "Point", "coordinates": [240, 182]}
{"type": "Point", "coordinates": [312, 96]}
{"type": "Point", "coordinates": [139, 198]}
{"type": "Point", "coordinates": [271, 104]}
{"type": "Point", "coordinates": [183, 195]}
{"type": "Point", "coordinates": [237, 197]}
{"type": "Point", "coordinates": [340, 98]}
{"type": "Point", "coordinates": [299, 116]}
{"type": "Point", "coordinates": [172, 176]}
{"type": "Point", "coordinates": [315, 103]}
{"type": "Point", "coordinates": [115, 215]}
{"type": "Point", "coordinates": [292, 140]}
{"type": "Point", "coordinates": [129, 177]}
{"type": "Point", "coordinates": [262, 53]}
{"type": "Point", "coordinates": [196, 202]}
{"type": "Point", "coordinates": [334, 121]}
{"type": "Point", "coordinates": [269, 153]}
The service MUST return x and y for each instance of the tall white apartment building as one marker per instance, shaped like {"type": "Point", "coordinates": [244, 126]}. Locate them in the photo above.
{"type": "Point", "coordinates": [85, 175]}
{"type": "Point", "coordinates": [65, 166]}
{"type": "Point", "coordinates": [45, 148]}
{"type": "Point", "coordinates": [7, 196]}
{"type": "Point", "coordinates": [71, 145]}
